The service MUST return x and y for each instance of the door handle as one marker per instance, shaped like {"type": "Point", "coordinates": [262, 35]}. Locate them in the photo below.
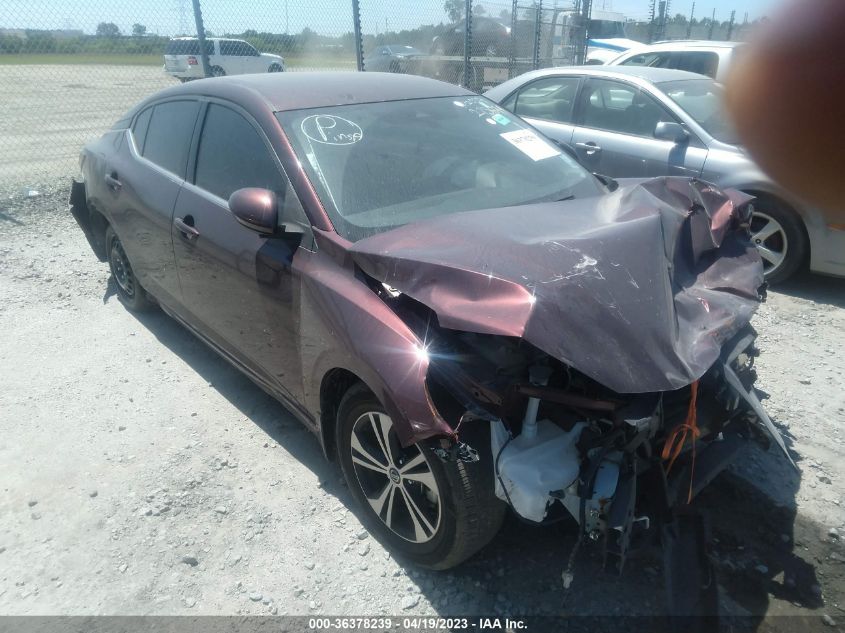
{"type": "Point", "coordinates": [186, 227]}
{"type": "Point", "coordinates": [590, 147]}
{"type": "Point", "coordinates": [112, 182]}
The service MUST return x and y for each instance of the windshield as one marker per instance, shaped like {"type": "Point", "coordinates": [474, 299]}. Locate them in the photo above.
{"type": "Point", "coordinates": [605, 29]}
{"type": "Point", "coordinates": [702, 100]}
{"type": "Point", "coordinates": [377, 166]}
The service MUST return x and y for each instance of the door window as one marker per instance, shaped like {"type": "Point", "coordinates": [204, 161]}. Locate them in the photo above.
{"type": "Point", "coordinates": [168, 137]}
{"type": "Point", "coordinates": [139, 129]}
{"type": "Point", "coordinates": [236, 48]}
{"type": "Point", "coordinates": [701, 62]}
{"type": "Point", "coordinates": [655, 60]}
{"type": "Point", "coordinates": [233, 155]}
{"type": "Point", "coordinates": [551, 98]}
{"type": "Point", "coordinates": [617, 107]}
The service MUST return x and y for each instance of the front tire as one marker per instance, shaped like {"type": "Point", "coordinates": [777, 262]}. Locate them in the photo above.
{"type": "Point", "coordinates": [435, 513]}
{"type": "Point", "coordinates": [275, 68]}
{"type": "Point", "coordinates": [129, 291]}
{"type": "Point", "coordinates": [217, 71]}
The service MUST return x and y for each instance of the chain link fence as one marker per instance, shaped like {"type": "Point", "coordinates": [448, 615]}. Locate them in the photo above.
{"type": "Point", "coordinates": [69, 69]}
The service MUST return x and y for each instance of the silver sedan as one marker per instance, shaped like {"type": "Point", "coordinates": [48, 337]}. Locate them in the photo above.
{"type": "Point", "coordinates": [645, 122]}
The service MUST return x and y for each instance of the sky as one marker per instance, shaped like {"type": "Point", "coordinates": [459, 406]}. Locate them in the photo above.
{"type": "Point", "coordinates": [331, 17]}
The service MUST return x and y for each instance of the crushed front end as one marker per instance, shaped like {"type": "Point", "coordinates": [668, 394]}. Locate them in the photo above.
{"type": "Point", "coordinates": [607, 346]}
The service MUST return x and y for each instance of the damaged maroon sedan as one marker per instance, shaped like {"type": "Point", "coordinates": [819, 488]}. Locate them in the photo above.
{"type": "Point", "coordinates": [466, 318]}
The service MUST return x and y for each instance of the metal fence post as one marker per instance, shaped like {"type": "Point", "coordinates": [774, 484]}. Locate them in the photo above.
{"type": "Point", "coordinates": [206, 65]}
{"type": "Point", "coordinates": [359, 44]}
{"type": "Point", "coordinates": [467, 43]}
{"type": "Point", "coordinates": [689, 24]}
{"type": "Point", "coordinates": [512, 50]}
{"type": "Point", "coordinates": [535, 62]}
{"type": "Point", "coordinates": [712, 24]}
{"type": "Point", "coordinates": [731, 26]}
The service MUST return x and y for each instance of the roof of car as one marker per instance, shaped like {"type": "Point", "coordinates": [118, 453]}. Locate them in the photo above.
{"type": "Point", "coordinates": [654, 75]}
{"type": "Point", "coordinates": [297, 90]}
{"type": "Point", "coordinates": [208, 39]}
{"type": "Point", "coordinates": [691, 44]}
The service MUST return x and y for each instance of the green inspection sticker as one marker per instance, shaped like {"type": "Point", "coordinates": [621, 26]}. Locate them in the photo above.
{"type": "Point", "coordinates": [501, 119]}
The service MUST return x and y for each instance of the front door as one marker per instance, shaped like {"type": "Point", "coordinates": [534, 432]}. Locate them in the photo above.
{"type": "Point", "coordinates": [614, 134]}
{"type": "Point", "coordinates": [547, 104]}
{"type": "Point", "coordinates": [237, 284]}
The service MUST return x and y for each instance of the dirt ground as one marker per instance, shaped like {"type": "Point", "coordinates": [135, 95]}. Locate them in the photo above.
{"type": "Point", "coordinates": [141, 474]}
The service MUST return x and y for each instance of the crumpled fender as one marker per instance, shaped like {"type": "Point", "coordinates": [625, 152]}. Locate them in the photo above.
{"type": "Point", "coordinates": [345, 325]}
{"type": "Point", "coordinates": [637, 289]}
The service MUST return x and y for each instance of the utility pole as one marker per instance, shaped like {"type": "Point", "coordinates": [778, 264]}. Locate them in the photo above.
{"type": "Point", "coordinates": [651, 25]}
{"type": "Point", "coordinates": [691, 18]}
{"type": "Point", "coordinates": [661, 21]}
{"type": "Point", "coordinates": [731, 25]}
{"type": "Point", "coordinates": [206, 65]}
{"type": "Point", "coordinates": [712, 24]}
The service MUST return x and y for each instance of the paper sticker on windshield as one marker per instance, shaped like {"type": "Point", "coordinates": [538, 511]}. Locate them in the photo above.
{"type": "Point", "coordinates": [501, 119]}
{"type": "Point", "coordinates": [530, 144]}
{"type": "Point", "coordinates": [331, 130]}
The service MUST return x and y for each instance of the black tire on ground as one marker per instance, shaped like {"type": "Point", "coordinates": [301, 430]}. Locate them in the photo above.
{"type": "Point", "coordinates": [217, 71]}
{"type": "Point", "coordinates": [129, 291]}
{"type": "Point", "coordinates": [275, 68]}
{"type": "Point", "coordinates": [469, 514]}
{"type": "Point", "coordinates": [795, 245]}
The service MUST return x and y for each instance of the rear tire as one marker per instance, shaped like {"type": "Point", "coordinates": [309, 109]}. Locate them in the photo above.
{"type": "Point", "coordinates": [779, 235]}
{"type": "Point", "coordinates": [448, 519]}
{"type": "Point", "coordinates": [275, 68]}
{"type": "Point", "coordinates": [129, 291]}
{"type": "Point", "coordinates": [217, 71]}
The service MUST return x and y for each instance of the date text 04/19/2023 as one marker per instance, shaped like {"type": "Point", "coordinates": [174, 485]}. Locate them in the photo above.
{"type": "Point", "coordinates": [421, 623]}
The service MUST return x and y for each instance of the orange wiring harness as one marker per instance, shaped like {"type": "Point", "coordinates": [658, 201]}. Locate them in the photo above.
{"type": "Point", "coordinates": [680, 434]}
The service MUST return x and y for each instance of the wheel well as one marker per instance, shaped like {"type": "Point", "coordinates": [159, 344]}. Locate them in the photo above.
{"type": "Point", "coordinates": [99, 226]}
{"type": "Point", "coordinates": [766, 197]}
{"type": "Point", "coordinates": [335, 384]}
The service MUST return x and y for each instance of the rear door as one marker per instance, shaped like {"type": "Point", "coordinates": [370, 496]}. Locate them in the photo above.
{"type": "Point", "coordinates": [547, 104]}
{"type": "Point", "coordinates": [614, 134]}
{"type": "Point", "coordinates": [238, 285]}
{"type": "Point", "coordinates": [143, 181]}
{"type": "Point", "coordinates": [231, 57]}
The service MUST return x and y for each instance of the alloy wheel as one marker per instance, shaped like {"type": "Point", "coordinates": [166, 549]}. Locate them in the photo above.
{"type": "Point", "coordinates": [121, 269]}
{"type": "Point", "coordinates": [397, 482]}
{"type": "Point", "coordinates": [770, 239]}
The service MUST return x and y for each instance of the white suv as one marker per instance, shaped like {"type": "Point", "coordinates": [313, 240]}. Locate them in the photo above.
{"type": "Point", "coordinates": [696, 56]}
{"type": "Point", "coordinates": [182, 58]}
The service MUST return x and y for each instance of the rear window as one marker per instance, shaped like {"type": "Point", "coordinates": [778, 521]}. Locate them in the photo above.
{"type": "Point", "coordinates": [187, 47]}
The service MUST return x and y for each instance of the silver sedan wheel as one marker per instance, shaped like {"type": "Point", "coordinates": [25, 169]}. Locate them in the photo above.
{"type": "Point", "coordinates": [770, 239]}
{"type": "Point", "coordinates": [397, 482]}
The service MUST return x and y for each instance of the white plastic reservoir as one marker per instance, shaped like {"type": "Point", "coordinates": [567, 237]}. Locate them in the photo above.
{"type": "Point", "coordinates": [532, 467]}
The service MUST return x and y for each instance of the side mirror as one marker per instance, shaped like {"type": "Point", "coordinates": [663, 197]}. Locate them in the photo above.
{"type": "Point", "coordinates": [671, 131]}
{"type": "Point", "coordinates": [255, 208]}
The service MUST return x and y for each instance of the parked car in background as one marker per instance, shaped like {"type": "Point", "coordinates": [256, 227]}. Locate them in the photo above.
{"type": "Point", "coordinates": [390, 58]}
{"type": "Point", "coordinates": [640, 121]}
{"type": "Point", "coordinates": [182, 58]}
{"type": "Point", "coordinates": [696, 56]}
{"type": "Point", "coordinates": [465, 316]}
{"type": "Point", "coordinates": [490, 38]}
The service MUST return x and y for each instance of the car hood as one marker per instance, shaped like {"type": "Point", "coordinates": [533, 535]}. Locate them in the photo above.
{"type": "Point", "coordinates": [637, 289]}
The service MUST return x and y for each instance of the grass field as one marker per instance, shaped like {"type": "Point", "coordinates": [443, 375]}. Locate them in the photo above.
{"type": "Point", "coordinates": [308, 61]}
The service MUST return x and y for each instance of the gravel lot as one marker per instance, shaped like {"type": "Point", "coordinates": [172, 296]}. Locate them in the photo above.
{"type": "Point", "coordinates": [50, 111]}
{"type": "Point", "coordinates": [141, 474]}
